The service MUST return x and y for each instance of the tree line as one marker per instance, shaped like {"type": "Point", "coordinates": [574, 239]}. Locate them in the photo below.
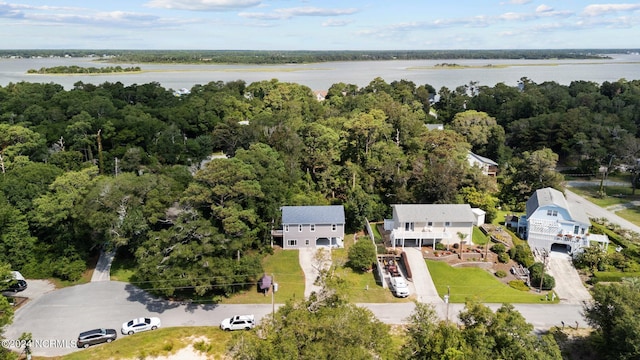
{"type": "Point", "coordinates": [130, 167]}
{"type": "Point", "coordinates": [310, 56]}
{"type": "Point", "coordinates": [74, 69]}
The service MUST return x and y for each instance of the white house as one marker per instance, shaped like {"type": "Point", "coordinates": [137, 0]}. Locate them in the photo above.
{"type": "Point", "coordinates": [488, 166]}
{"type": "Point", "coordinates": [551, 220]}
{"type": "Point", "coordinates": [311, 226]}
{"type": "Point", "coordinates": [428, 224]}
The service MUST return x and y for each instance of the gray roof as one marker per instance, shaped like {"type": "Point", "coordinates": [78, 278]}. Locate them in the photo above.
{"type": "Point", "coordinates": [550, 196]}
{"type": "Point", "coordinates": [482, 159]}
{"type": "Point", "coordinates": [433, 212]}
{"type": "Point", "coordinates": [331, 214]}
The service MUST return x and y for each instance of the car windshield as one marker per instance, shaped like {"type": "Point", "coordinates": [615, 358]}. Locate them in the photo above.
{"type": "Point", "coordinates": [130, 323]}
{"type": "Point", "coordinates": [147, 320]}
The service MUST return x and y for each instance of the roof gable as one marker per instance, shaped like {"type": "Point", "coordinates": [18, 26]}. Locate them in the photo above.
{"type": "Point", "coordinates": [552, 197]}
{"type": "Point", "coordinates": [331, 214]}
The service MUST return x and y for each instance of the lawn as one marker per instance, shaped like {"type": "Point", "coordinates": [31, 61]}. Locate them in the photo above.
{"type": "Point", "coordinates": [476, 283]}
{"type": "Point", "coordinates": [284, 266]}
{"type": "Point", "coordinates": [360, 287]}
{"type": "Point", "coordinates": [164, 341]}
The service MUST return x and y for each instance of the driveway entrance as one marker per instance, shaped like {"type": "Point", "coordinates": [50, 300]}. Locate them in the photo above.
{"type": "Point", "coordinates": [569, 286]}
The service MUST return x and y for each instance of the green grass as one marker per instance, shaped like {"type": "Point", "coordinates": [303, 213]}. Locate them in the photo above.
{"type": "Point", "coordinates": [160, 342]}
{"type": "Point", "coordinates": [479, 238]}
{"type": "Point", "coordinates": [122, 269]}
{"type": "Point", "coordinates": [478, 284]}
{"type": "Point", "coordinates": [284, 265]}
{"type": "Point", "coordinates": [631, 214]}
{"type": "Point", "coordinates": [360, 287]}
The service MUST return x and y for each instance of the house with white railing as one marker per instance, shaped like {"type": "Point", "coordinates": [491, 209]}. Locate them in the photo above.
{"type": "Point", "coordinates": [420, 225]}
{"type": "Point", "coordinates": [550, 220]}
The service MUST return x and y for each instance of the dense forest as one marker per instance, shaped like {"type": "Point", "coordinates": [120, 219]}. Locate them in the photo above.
{"type": "Point", "coordinates": [308, 56]}
{"type": "Point", "coordinates": [131, 167]}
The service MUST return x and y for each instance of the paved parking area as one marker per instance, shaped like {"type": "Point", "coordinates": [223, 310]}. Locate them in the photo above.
{"type": "Point", "coordinates": [421, 278]}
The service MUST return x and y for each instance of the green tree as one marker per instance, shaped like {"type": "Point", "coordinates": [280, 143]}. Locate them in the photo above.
{"type": "Point", "coordinates": [614, 316]}
{"type": "Point", "coordinates": [362, 254]}
{"type": "Point", "coordinates": [317, 328]}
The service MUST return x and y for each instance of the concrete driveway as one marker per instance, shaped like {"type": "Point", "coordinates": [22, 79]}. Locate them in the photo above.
{"type": "Point", "coordinates": [421, 278]}
{"type": "Point", "coordinates": [569, 286]}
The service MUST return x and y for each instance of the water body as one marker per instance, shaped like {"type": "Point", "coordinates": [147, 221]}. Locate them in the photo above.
{"type": "Point", "coordinates": [320, 76]}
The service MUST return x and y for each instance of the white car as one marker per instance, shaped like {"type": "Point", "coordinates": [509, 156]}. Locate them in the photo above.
{"type": "Point", "coordinates": [238, 322]}
{"type": "Point", "coordinates": [399, 286]}
{"type": "Point", "coordinates": [140, 324]}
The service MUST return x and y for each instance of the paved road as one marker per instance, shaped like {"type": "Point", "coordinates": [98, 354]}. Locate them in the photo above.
{"type": "Point", "coordinates": [595, 211]}
{"type": "Point", "coordinates": [60, 315]}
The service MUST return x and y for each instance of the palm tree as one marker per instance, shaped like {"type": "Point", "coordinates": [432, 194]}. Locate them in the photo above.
{"type": "Point", "coordinates": [462, 236]}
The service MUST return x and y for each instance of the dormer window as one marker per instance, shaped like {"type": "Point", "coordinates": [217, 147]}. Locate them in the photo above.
{"type": "Point", "coordinates": [300, 228]}
{"type": "Point", "coordinates": [312, 227]}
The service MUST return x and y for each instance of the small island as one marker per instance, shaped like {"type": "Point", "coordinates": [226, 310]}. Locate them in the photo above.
{"type": "Point", "coordinates": [74, 69]}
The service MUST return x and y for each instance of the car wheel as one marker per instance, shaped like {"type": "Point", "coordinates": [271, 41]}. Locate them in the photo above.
{"type": "Point", "coordinates": [130, 332]}
{"type": "Point", "coordinates": [227, 329]}
{"type": "Point", "coordinates": [109, 340]}
{"type": "Point", "coordinates": [85, 346]}
{"type": "Point", "coordinates": [154, 327]}
{"type": "Point", "coordinates": [247, 328]}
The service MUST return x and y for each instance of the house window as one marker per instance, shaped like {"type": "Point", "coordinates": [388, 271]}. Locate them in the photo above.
{"type": "Point", "coordinates": [555, 213]}
{"type": "Point", "coordinates": [408, 226]}
{"type": "Point", "coordinates": [300, 227]}
{"type": "Point", "coordinates": [292, 242]}
{"type": "Point", "coordinates": [576, 229]}
{"type": "Point", "coordinates": [430, 223]}
{"type": "Point", "coordinates": [548, 212]}
{"type": "Point", "coordinates": [312, 227]}
{"type": "Point", "coordinates": [286, 228]}
{"type": "Point", "coordinates": [552, 212]}
{"type": "Point", "coordinates": [334, 227]}
{"type": "Point", "coordinates": [306, 242]}
{"type": "Point", "coordinates": [447, 224]}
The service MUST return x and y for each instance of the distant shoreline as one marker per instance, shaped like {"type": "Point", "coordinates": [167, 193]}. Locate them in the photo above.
{"type": "Point", "coordinates": [266, 57]}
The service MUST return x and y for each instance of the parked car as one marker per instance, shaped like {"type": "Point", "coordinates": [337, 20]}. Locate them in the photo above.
{"type": "Point", "coordinates": [399, 286]}
{"type": "Point", "coordinates": [238, 322]}
{"type": "Point", "coordinates": [96, 336]}
{"type": "Point", "coordinates": [140, 324]}
{"type": "Point", "coordinates": [16, 283]}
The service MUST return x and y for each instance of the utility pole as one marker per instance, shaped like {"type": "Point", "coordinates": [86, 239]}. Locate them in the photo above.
{"type": "Point", "coordinates": [446, 301]}
{"type": "Point", "coordinates": [273, 303]}
{"type": "Point", "coordinates": [544, 265]}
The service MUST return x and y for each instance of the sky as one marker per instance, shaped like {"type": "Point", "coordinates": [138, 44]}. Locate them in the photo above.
{"type": "Point", "coordinates": [318, 25]}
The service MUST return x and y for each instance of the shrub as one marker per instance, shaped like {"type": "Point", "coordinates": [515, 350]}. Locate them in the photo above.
{"type": "Point", "coordinates": [499, 248]}
{"type": "Point", "coordinates": [440, 246]}
{"type": "Point", "coordinates": [518, 285]}
{"type": "Point", "coordinates": [522, 255]}
{"type": "Point", "coordinates": [503, 258]}
{"type": "Point", "coordinates": [501, 274]}
{"type": "Point", "coordinates": [362, 254]}
{"type": "Point", "coordinates": [548, 282]}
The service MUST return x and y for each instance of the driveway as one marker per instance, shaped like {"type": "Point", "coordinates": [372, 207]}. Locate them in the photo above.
{"type": "Point", "coordinates": [569, 286]}
{"type": "Point", "coordinates": [421, 278]}
{"type": "Point", "coordinates": [309, 263]}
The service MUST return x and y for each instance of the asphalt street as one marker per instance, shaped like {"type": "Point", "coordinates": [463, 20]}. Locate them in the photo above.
{"type": "Point", "coordinates": [56, 318]}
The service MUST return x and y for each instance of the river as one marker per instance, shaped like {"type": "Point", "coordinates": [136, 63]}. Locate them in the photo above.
{"type": "Point", "coordinates": [320, 76]}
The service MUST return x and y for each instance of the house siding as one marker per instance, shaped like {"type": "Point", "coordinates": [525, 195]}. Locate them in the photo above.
{"type": "Point", "coordinates": [333, 232]}
{"type": "Point", "coordinates": [549, 222]}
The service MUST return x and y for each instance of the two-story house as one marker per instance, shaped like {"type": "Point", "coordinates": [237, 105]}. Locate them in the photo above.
{"type": "Point", "coordinates": [550, 220]}
{"type": "Point", "coordinates": [429, 224]}
{"type": "Point", "coordinates": [311, 226]}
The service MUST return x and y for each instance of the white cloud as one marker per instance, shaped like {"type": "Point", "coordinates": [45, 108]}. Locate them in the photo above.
{"type": "Point", "coordinates": [543, 9]}
{"type": "Point", "coordinates": [518, 2]}
{"type": "Point", "coordinates": [203, 5]}
{"type": "Point", "coordinates": [298, 11]}
{"type": "Point", "coordinates": [335, 22]}
{"type": "Point", "coordinates": [599, 9]}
